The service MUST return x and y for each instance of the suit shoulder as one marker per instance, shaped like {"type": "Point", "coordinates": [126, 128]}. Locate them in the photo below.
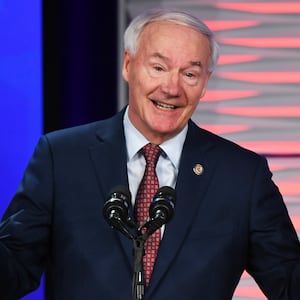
{"type": "Point", "coordinates": [80, 132]}
{"type": "Point", "coordinates": [86, 132]}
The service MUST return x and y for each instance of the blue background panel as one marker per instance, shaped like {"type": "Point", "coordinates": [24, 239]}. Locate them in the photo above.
{"type": "Point", "coordinates": [21, 115]}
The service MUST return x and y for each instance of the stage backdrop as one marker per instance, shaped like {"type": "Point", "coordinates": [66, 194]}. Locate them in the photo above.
{"type": "Point", "coordinates": [20, 93]}
{"type": "Point", "coordinates": [253, 98]}
{"type": "Point", "coordinates": [254, 95]}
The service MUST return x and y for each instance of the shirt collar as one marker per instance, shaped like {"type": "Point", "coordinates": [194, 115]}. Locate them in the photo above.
{"type": "Point", "coordinates": [135, 141]}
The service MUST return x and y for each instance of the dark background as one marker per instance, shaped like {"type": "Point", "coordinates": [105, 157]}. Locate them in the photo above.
{"type": "Point", "coordinates": [80, 64]}
{"type": "Point", "coordinates": [80, 61]}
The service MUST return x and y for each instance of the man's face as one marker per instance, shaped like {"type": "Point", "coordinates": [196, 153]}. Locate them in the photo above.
{"type": "Point", "coordinates": [166, 78]}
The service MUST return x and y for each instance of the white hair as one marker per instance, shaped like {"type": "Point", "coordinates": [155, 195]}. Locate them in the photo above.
{"type": "Point", "coordinates": [137, 25]}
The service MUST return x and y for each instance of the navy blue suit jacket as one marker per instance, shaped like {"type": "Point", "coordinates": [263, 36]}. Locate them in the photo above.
{"type": "Point", "coordinates": [228, 219]}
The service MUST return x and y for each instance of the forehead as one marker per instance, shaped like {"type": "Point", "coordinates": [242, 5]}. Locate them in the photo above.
{"type": "Point", "coordinates": [161, 35]}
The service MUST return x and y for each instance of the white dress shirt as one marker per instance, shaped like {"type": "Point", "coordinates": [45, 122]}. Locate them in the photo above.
{"type": "Point", "coordinates": [168, 162]}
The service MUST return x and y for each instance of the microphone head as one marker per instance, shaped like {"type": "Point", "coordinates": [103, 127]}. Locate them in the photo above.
{"type": "Point", "coordinates": [119, 201]}
{"type": "Point", "coordinates": [164, 203]}
{"type": "Point", "coordinates": [121, 191]}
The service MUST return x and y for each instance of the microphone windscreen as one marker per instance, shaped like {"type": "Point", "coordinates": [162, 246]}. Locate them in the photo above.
{"type": "Point", "coordinates": [118, 202]}
{"type": "Point", "coordinates": [120, 190]}
{"type": "Point", "coordinates": [166, 191]}
{"type": "Point", "coordinates": [163, 203]}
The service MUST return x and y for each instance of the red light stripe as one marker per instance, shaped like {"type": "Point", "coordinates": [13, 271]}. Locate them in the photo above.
{"type": "Point", "coordinates": [284, 111]}
{"type": "Point", "coordinates": [220, 95]}
{"type": "Point", "coordinates": [263, 77]}
{"type": "Point", "coordinates": [234, 59]}
{"type": "Point", "coordinates": [264, 42]}
{"type": "Point", "coordinates": [285, 165]}
{"type": "Point", "coordinates": [245, 275]}
{"type": "Point", "coordinates": [263, 8]}
{"type": "Point", "coordinates": [225, 25]}
{"type": "Point", "coordinates": [289, 188]}
{"type": "Point", "coordinates": [296, 222]}
{"type": "Point", "coordinates": [277, 168]}
{"type": "Point", "coordinates": [249, 291]}
{"type": "Point", "coordinates": [222, 129]}
{"type": "Point", "coordinates": [273, 147]}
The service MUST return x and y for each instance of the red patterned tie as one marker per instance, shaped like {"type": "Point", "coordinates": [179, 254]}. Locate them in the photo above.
{"type": "Point", "coordinates": [147, 188]}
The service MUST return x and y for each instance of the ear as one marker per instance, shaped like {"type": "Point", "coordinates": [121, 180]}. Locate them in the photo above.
{"type": "Point", "coordinates": [205, 85]}
{"type": "Point", "coordinates": [126, 63]}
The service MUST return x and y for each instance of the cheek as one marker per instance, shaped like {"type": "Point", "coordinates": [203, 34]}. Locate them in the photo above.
{"type": "Point", "coordinates": [137, 92]}
{"type": "Point", "coordinates": [145, 86]}
{"type": "Point", "coordinates": [135, 78]}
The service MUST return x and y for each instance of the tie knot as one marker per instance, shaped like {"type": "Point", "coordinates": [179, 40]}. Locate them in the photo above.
{"type": "Point", "coordinates": [151, 153]}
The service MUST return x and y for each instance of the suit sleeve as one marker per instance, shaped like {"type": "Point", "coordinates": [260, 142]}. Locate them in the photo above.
{"type": "Point", "coordinates": [25, 228]}
{"type": "Point", "coordinates": [274, 252]}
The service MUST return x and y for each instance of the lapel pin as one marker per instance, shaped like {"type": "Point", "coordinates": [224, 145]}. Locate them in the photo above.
{"type": "Point", "coordinates": [198, 169]}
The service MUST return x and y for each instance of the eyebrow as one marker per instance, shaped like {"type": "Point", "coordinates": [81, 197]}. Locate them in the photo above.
{"type": "Point", "coordinates": [166, 59]}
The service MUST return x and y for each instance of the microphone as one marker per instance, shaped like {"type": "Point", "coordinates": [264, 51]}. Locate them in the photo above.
{"type": "Point", "coordinates": [161, 209]}
{"type": "Point", "coordinates": [116, 208]}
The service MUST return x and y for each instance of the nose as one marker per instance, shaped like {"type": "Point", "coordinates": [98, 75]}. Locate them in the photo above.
{"type": "Point", "coordinates": [171, 85]}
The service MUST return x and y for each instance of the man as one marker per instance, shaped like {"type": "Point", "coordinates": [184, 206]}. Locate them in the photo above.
{"type": "Point", "coordinates": [229, 215]}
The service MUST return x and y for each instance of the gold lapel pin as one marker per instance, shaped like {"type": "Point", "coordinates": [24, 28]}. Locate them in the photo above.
{"type": "Point", "coordinates": [198, 169]}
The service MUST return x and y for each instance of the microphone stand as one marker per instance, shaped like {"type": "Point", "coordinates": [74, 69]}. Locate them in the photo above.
{"type": "Point", "coordinates": [115, 212]}
{"type": "Point", "coordinates": [138, 283]}
{"type": "Point", "coordinates": [143, 232]}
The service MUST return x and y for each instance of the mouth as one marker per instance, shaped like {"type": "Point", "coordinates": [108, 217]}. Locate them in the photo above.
{"type": "Point", "coordinates": [164, 105]}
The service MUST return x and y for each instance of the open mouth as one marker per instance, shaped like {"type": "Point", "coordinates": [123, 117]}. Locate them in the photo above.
{"type": "Point", "coordinates": [163, 105]}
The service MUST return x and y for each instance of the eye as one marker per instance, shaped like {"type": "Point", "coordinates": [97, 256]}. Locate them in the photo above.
{"type": "Point", "coordinates": [191, 78]}
{"type": "Point", "coordinates": [158, 68]}
{"type": "Point", "coordinates": [189, 75]}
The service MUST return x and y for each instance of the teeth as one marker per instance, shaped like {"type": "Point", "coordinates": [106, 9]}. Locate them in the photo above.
{"type": "Point", "coordinates": [165, 106]}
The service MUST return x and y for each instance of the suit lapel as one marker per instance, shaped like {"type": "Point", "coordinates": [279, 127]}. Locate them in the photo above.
{"type": "Point", "coordinates": [190, 190]}
{"type": "Point", "coordinates": [109, 157]}
{"type": "Point", "coordinates": [109, 154]}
